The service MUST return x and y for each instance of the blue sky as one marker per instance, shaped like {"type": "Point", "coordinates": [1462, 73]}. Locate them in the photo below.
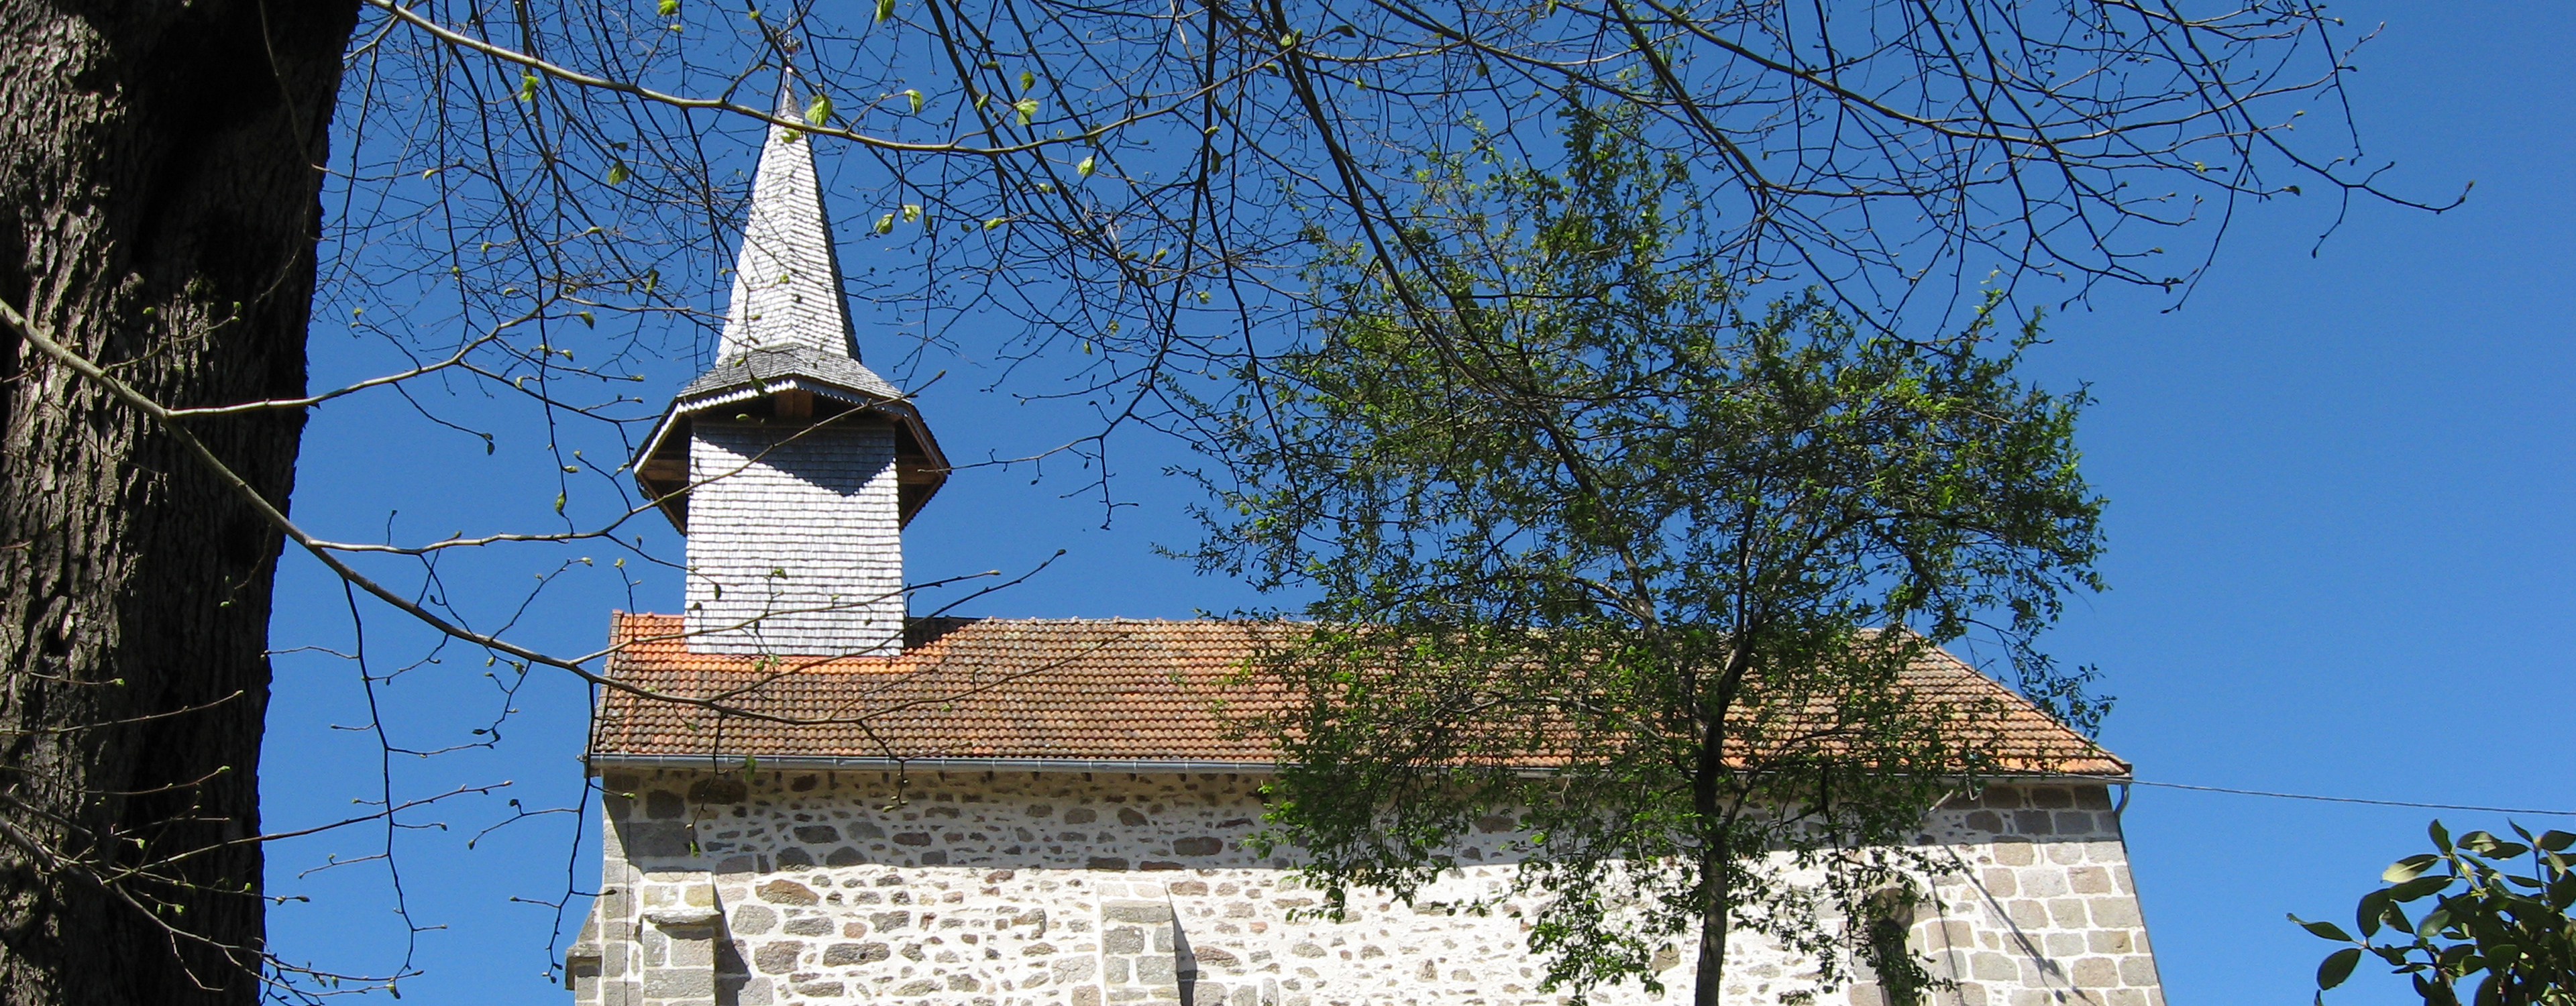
{"type": "Point", "coordinates": [2339, 561]}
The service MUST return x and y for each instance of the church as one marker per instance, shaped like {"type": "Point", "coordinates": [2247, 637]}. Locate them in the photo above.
{"type": "Point", "coordinates": [810, 798]}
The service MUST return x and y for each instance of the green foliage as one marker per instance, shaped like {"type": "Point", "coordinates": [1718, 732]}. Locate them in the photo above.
{"type": "Point", "coordinates": [1563, 503]}
{"type": "Point", "coordinates": [2509, 931]}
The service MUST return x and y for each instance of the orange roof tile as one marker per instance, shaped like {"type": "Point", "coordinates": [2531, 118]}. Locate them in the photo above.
{"type": "Point", "coordinates": [1115, 690]}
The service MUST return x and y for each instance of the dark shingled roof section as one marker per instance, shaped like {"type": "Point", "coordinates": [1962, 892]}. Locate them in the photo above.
{"type": "Point", "coordinates": [1080, 690]}
{"type": "Point", "coordinates": [772, 364]}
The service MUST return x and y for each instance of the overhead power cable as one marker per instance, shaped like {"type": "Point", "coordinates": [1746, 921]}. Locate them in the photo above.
{"type": "Point", "coordinates": [2350, 799]}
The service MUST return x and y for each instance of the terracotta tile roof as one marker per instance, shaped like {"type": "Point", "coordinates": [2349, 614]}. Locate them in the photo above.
{"type": "Point", "coordinates": [1083, 690]}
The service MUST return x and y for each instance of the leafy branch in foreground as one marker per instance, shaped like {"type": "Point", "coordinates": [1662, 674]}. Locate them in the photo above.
{"type": "Point", "coordinates": [2509, 931]}
{"type": "Point", "coordinates": [1578, 510]}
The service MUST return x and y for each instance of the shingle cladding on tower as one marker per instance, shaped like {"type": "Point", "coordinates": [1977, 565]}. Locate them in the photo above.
{"type": "Point", "coordinates": [796, 543]}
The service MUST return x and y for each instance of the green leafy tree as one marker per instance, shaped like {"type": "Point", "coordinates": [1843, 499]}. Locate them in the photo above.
{"type": "Point", "coordinates": [2507, 931]}
{"type": "Point", "coordinates": [1580, 512]}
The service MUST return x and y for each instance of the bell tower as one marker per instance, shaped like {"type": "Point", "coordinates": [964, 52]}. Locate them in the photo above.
{"type": "Point", "coordinates": [791, 466]}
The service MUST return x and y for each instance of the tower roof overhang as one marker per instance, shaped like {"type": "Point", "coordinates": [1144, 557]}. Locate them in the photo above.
{"type": "Point", "coordinates": [793, 383]}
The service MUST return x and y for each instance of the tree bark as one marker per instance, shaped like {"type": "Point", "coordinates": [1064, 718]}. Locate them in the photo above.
{"type": "Point", "coordinates": [1716, 855]}
{"type": "Point", "coordinates": [1709, 984]}
{"type": "Point", "coordinates": [159, 188]}
{"type": "Point", "coordinates": [1717, 899]}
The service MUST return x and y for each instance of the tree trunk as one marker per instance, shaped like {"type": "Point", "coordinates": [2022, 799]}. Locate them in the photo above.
{"type": "Point", "coordinates": [159, 191]}
{"type": "Point", "coordinates": [1709, 984]}
{"type": "Point", "coordinates": [1717, 896]}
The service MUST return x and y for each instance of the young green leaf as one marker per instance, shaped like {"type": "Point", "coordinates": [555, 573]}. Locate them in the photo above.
{"type": "Point", "coordinates": [820, 111]}
{"type": "Point", "coordinates": [616, 172]}
{"type": "Point", "coordinates": [885, 223]}
{"type": "Point", "coordinates": [1028, 109]}
{"type": "Point", "coordinates": [670, 8]}
{"type": "Point", "coordinates": [915, 96]}
{"type": "Point", "coordinates": [2409, 868]}
{"type": "Point", "coordinates": [2434, 922]}
{"type": "Point", "coordinates": [885, 9]}
{"type": "Point", "coordinates": [2337, 967]}
{"type": "Point", "coordinates": [1084, 169]}
{"type": "Point", "coordinates": [2367, 915]}
{"type": "Point", "coordinates": [2419, 887]}
{"type": "Point", "coordinates": [2323, 929]}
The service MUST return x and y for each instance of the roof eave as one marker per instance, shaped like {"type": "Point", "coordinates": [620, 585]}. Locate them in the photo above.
{"type": "Point", "coordinates": [674, 505]}
{"type": "Point", "coordinates": [731, 763]}
{"type": "Point", "coordinates": [722, 762]}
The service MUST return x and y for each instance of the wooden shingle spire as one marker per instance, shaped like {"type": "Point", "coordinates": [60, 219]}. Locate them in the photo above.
{"type": "Point", "coordinates": [787, 278]}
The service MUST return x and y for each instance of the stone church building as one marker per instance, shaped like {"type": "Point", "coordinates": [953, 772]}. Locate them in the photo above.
{"type": "Point", "coordinates": [1069, 828]}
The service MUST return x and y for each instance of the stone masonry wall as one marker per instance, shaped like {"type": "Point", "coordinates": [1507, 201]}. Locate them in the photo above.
{"type": "Point", "coordinates": [1073, 889]}
{"type": "Point", "coordinates": [795, 546]}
